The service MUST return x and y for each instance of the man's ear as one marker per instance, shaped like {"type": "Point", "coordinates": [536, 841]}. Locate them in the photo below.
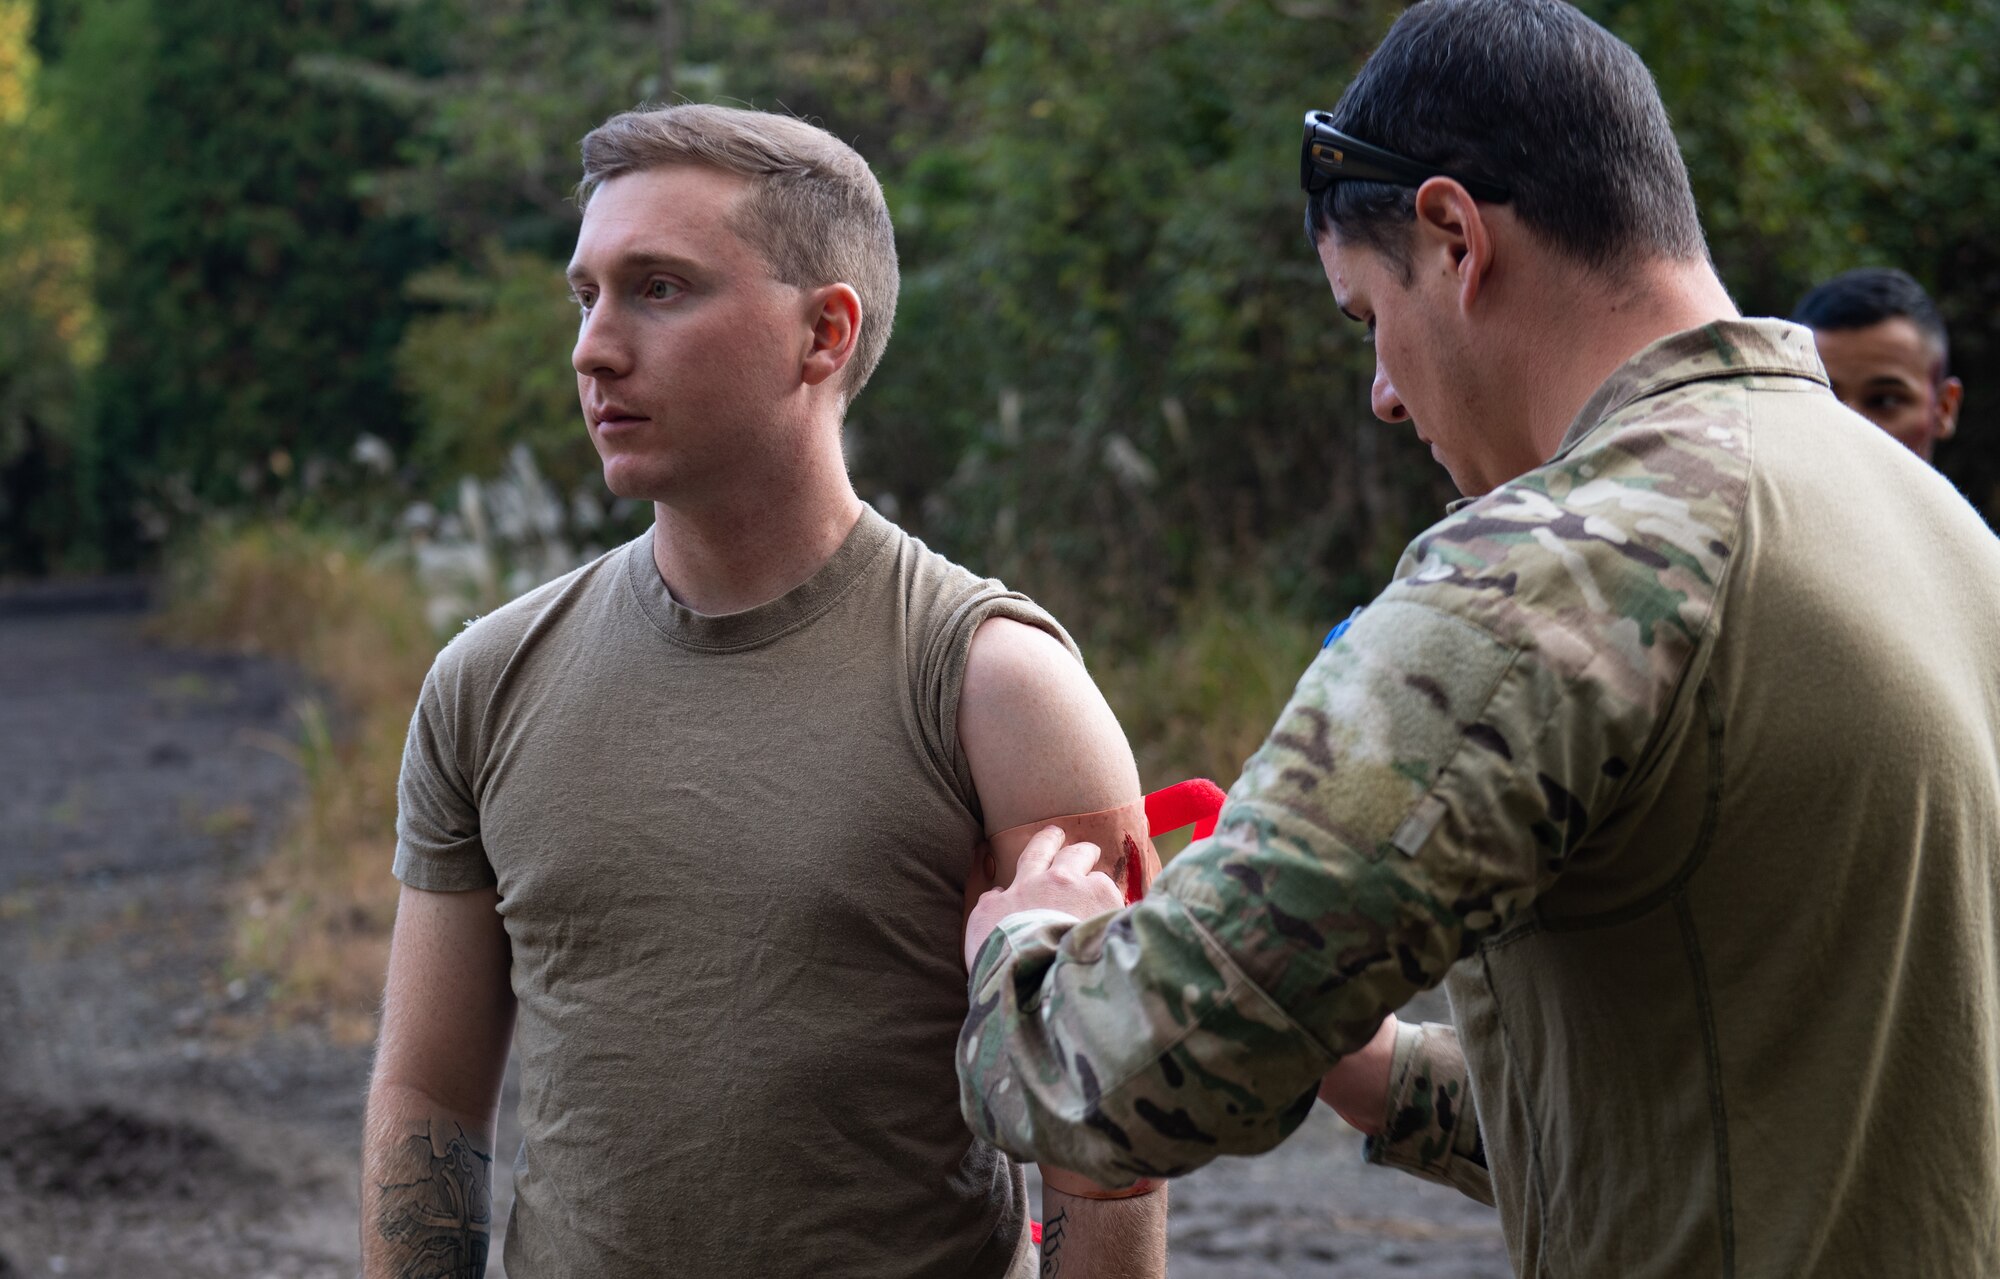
{"type": "Point", "coordinates": [1452, 234]}
{"type": "Point", "coordinates": [1951, 393]}
{"type": "Point", "coordinates": [834, 311]}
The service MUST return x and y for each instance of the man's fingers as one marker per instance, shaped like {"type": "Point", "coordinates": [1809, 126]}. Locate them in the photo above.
{"type": "Point", "coordinates": [1040, 851]}
{"type": "Point", "coordinates": [1075, 860]}
{"type": "Point", "coordinates": [1049, 876]}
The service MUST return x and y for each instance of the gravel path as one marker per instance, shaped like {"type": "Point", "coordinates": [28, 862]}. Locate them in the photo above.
{"type": "Point", "coordinates": [149, 1125]}
{"type": "Point", "coordinates": [1312, 1210]}
{"type": "Point", "coordinates": [153, 1124]}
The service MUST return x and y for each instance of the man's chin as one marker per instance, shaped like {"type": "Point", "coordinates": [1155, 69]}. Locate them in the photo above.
{"type": "Point", "coordinates": [1468, 482]}
{"type": "Point", "coordinates": [637, 484]}
{"type": "Point", "coordinates": [1466, 485]}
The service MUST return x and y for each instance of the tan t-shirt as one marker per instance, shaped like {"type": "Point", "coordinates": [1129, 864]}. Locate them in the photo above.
{"type": "Point", "coordinates": [731, 854]}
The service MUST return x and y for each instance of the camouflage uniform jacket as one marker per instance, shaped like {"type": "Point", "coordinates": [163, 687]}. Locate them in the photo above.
{"type": "Point", "coordinates": [1677, 760]}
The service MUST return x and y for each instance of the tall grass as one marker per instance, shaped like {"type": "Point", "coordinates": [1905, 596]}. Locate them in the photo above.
{"type": "Point", "coordinates": [316, 916]}
{"type": "Point", "coordinates": [1195, 700]}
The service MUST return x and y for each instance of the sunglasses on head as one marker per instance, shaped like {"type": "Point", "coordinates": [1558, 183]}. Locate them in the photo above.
{"type": "Point", "coordinates": [1329, 156]}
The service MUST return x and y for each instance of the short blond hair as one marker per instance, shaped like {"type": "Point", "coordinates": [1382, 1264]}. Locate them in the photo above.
{"type": "Point", "coordinates": [815, 210]}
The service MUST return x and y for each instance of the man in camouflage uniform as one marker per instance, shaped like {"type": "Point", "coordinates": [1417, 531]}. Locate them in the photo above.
{"type": "Point", "coordinates": [1673, 753]}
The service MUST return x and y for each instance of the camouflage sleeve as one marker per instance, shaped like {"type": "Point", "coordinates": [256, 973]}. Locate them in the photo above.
{"type": "Point", "coordinates": [1435, 771]}
{"type": "Point", "coordinates": [1046, 1076]}
{"type": "Point", "coordinates": [1342, 879]}
{"type": "Point", "coordinates": [1433, 1130]}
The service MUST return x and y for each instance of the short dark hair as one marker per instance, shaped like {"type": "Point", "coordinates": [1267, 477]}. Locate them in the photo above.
{"type": "Point", "coordinates": [1526, 92]}
{"type": "Point", "coordinates": [815, 210]}
{"type": "Point", "coordinates": [1863, 298]}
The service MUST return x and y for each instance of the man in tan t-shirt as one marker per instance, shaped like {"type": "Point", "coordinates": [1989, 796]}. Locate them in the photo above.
{"type": "Point", "coordinates": [694, 825]}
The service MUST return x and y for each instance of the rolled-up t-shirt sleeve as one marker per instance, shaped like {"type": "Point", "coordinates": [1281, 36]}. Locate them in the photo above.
{"type": "Point", "coordinates": [438, 847]}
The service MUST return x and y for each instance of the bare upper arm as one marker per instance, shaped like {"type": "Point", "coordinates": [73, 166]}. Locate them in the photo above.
{"type": "Point", "coordinates": [448, 1011]}
{"type": "Point", "coordinates": [1039, 737]}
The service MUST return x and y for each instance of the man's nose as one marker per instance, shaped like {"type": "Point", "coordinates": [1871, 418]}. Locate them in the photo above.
{"type": "Point", "coordinates": [600, 347]}
{"type": "Point", "coordinates": [1383, 399]}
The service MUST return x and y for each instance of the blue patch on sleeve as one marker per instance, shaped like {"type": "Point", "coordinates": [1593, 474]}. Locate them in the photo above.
{"type": "Point", "coordinates": [1339, 629]}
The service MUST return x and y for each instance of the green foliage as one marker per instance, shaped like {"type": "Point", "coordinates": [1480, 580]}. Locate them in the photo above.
{"type": "Point", "coordinates": [1152, 387]}
{"type": "Point", "coordinates": [1197, 698]}
{"type": "Point", "coordinates": [1119, 377]}
{"type": "Point", "coordinates": [249, 303]}
{"type": "Point", "coordinates": [1822, 136]}
{"type": "Point", "coordinates": [48, 332]}
{"type": "Point", "coordinates": [497, 94]}
{"type": "Point", "coordinates": [486, 370]}
{"type": "Point", "coordinates": [1131, 352]}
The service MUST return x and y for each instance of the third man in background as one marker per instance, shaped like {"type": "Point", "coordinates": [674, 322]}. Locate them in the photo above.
{"type": "Point", "coordinates": [1886, 352]}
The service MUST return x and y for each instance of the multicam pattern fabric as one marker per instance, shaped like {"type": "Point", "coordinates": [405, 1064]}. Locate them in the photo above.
{"type": "Point", "coordinates": [1433, 1130]}
{"type": "Point", "coordinates": [1437, 770]}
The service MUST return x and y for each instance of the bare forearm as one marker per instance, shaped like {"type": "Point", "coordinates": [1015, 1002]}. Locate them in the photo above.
{"type": "Point", "coordinates": [1085, 1238]}
{"type": "Point", "coordinates": [426, 1188]}
{"type": "Point", "coordinates": [1358, 1085]}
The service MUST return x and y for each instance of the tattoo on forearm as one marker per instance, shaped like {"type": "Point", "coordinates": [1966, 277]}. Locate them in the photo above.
{"type": "Point", "coordinates": [1052, 1242]}
{"type": "Point", "coordinates": [442, 1220]}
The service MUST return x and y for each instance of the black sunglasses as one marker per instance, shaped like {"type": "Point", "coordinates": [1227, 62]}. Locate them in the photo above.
{"type": "Point", "coordinates": [1330, 156]}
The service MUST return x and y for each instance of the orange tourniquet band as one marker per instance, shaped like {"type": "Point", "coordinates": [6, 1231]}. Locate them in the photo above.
{"type": "Point", "coordinates": [1078, 1188]}
{"type": "Point", "coordinates": [1124, 845]}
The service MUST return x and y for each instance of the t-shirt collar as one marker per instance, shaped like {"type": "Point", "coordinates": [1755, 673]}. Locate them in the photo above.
{"type": "Point", "coordinates": [734, 632]}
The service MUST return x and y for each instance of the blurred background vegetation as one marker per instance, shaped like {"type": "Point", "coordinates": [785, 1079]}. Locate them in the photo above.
{"type": "Point", "coordinates": [240, 237]}
{"type": "Point", "coordinates": [281, 306]}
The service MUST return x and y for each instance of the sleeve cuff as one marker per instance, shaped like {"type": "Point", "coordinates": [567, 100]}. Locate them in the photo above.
{"type": "Point", "coordinates": [1025, 933]}
{"type": "Point", "coordinates": [1432, 1131]}
{"type": "Point", "coordinates": [463, 871]}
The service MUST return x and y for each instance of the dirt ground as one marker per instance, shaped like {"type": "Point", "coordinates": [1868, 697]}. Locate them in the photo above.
{"type": "Point", "coordinates": [154, 1122]}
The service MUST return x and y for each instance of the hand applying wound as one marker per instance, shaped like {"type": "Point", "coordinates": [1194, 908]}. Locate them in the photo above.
{"type": "Point", "coordinates": [1051, 876]}
{"type": "Point", "coordinates": [1196, 802]}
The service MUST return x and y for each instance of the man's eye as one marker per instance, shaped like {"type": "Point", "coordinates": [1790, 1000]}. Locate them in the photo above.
{"type": "Point", "coordinates": [583, 301]}
{"type": "Point", "coordinates": [660, 290]}
{"type": "Point", "coordinates": [1885, 403]}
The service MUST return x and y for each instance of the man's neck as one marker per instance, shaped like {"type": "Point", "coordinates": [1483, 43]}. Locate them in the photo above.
{"type": "Point", "coordinates": [1596, 326]}
{"type": "Point", "coordinates": [749, 546]}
